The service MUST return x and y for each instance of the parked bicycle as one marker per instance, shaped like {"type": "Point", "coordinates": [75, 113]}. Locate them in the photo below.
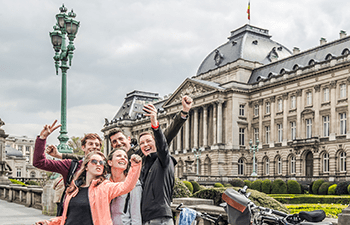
{"type": "Point", "coordinates": [242, 211]}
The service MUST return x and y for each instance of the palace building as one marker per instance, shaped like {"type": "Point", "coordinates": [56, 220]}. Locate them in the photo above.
{"type": "Point", "coordinates": [295, 103]}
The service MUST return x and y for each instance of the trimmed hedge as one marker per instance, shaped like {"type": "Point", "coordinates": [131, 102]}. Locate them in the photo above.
{"type": "Point", "coordinates": [256, 185]}
{"type": "Point", "coordinates": [293, 187]}
{"type": "Point", "coordinates": [188, 185]}
{"type": "Point", "coordinates": [323, 190]}
{"type": "Point", "coordinates": [237, 182]}
{"type": "Point", "coordinates": [228, 185]}
{"type": "Point", "coordinates": [331, 189]}
{"type": "Point", "coordinates": [266, 186]}
{"type": "Point", "coordinates": [248, 183]}
{"type": "Point", "coordinates": [196, 186]}
{"type": "Point", "coordinates": [342, 188]}
{"type": "Point", "coordinates": [17, 182]}
{"type": "Point", "coordinates": [310, 187]}
{"type": "Point", "coordinates": [316, 186]}
{"type": "Point", "coordinates": [180, 189]}
{"type": "Point", "coordinates": [279, 187]}
{"type": "Point", "coordinates": [218, 185]}
{"type": "Point", "coordinates": [331, 210]}
{"type": "Point", "coordinates": [258, 198]}
{"type": "Point", "coordinates": [311, 199]}
{"type": "Point", "coordinates": [349, 189]}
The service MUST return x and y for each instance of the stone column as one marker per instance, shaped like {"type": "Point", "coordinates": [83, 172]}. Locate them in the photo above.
{"type": "Point", "coordinates": [261, 132]}
{"type": "Point", "coordinates": [333, 125]}
{"type": "Point", "coordinates": [205, 126]}
{"type": "Point", "coordinates": [187, 135]}
{"type": "Point", "coordinates": [285, 119]}
{"type": "Point", "coordinates": [316, 164]}
{"type": "Point", "coordinates": [344, 216]}
{"type": "Point", "coordinates": [195, 128]}
{"type": "Point", "coordinates": [272, 122]}
{"type": "Point", "coordinates": [214, 124]}
{"type": "Point", "coordinates": [316, 105]}
{"type": "Point", "coordinates": [219, 126]}
{"type": "Point", "coordinates": [348, 113]}
{"type": "Point", "coordinates": [178, 142]}
{"type": "Point", "coordinates": [299, 109]}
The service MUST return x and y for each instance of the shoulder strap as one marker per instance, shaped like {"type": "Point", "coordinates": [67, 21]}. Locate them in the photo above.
{"type": "Point", "coordinates": [126, 203]}
{"type": "Point", "coordinates": [71, 172]}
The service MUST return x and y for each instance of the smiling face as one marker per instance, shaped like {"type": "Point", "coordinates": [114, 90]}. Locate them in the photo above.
{"type": "Point", "coordinates": [119, 160]}
{"type": "Point", "coordinates": [119, 140]}
{"type": "Point", "coordinates": [91, 145]}
{"type": "Point", "coordinates": [94, 167]}
{"type": "Point", "coordinates": [147, 144]}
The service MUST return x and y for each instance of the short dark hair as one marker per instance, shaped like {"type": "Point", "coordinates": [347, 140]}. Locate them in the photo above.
{"type": "Point", "coordinates": [146, 133]}
{"type": "Point", "coordinates": [90, 136]}
{"type": "Point", "coordinates": [115, 131]}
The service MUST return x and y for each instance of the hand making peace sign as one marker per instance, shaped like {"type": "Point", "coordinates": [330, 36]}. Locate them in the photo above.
{"type": "Point", "coordinates": [48, 130]}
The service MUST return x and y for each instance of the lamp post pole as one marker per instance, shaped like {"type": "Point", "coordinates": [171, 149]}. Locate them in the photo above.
{"type": "Point", "coordinates": [66, 25]}
{"type": "Point", "coordinates": [197, 154]}
{"type": "Point", "coordinates": [254, 148]}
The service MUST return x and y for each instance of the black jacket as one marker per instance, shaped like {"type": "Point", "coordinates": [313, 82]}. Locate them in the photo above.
{"type": "Point", "coordinates": [157, 178]}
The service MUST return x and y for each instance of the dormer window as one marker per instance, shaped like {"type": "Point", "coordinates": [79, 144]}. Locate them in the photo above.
{"type": "Point", "coordinates": [283, 71]}
{"type": "Point", "coordinates": [296, 67]}
{"type": "Point", "coordinates": [329, 57]}
{"type": "Point", "coordinates": [312, 62]}
{"type": "Point", "coordinates": [345, 52]}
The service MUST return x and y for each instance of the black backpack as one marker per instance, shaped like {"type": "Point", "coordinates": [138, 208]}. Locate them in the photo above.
{"type": "Point", "coordinates": [71, 172]}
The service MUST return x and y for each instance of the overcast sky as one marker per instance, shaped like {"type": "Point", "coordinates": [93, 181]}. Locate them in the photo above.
{"type": "Point", "coordinates": [121, 46]}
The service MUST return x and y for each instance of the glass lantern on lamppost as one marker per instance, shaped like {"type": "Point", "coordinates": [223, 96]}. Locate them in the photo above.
{"type": "Point", "coordinates": [66, 25]}
{"type": "Point", "coordinates": [254, 148]}
{"type": "Point", "coordinates": [197, 154]}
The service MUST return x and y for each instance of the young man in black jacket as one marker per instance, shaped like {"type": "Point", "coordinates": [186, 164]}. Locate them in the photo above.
{"type": "Point", "coordinates": [157, 174]}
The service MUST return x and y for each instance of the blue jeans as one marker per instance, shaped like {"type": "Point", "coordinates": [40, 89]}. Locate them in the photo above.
{"type": "Point", "coordinates": [160, 221]}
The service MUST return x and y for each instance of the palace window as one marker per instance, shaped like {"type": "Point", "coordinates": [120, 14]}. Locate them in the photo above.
{"type": "Point", "coordinates": [19, 172]}
{"type": "Point", "coordinates": [267, 167]}
{"type": "Point", "coordinates": [293, 101]}
{"type": "Point", "coordinates": [279, 165]}
{"type": "Point", "coordinates": [241, 110]}
{"type": "Point", "coordinates": [308, 128]}
{"type": "Point", "coordinates": [343, 91]}
{"type": "Point", "coordinates": [342, 162]}
{"type": "Point", "coordinates": [267, 106]}
{"type": "Point", "coordinates": [280, 132]}
{"type": "Point", "coordinates": [326, 94]}
{"type": "Point", "coordinates": [342, 117]}
{"type": "Point", "coordinates": [256, 135]}
{"type": "Point", "coordinates": [293, 126]}
{"type": "Point", "coordinates": [241, 136]}
{"type": "Point", "coordinates": [280, 105]}
{"type": "Point", "coordinates": [240, 167]}
{"type": "Point", "coordinates": [292, 165]}
{"type": "Point", "coordinates": [256, 110]}
{"type": "Point", "coordinates": [325, 126]}
{"type": "Point", "coordinates": [267, 134]}
{"type": "Point", "coordinates": [309, 98]}
{"type": "Point", "coordinates": [326, 163]}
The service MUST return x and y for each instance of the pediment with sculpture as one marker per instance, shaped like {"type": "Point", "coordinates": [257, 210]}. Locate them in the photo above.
{"type": "Point", "coordinates": [191, 88]}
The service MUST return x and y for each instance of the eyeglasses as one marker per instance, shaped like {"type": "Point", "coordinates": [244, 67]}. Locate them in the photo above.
{"type": "Point", "coordinates": [95, 162]}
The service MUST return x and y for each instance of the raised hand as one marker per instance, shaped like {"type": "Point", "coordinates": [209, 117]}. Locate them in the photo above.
{"type": "Point", "coordinates": [44, 222]}
{"type": "Point", "coordinates": [136, 159]}
{"type": "Point", "coordinates": [52, 150]}
{"type": "Point", "coordinates": [186, 103]}
{"type": "Point", "coordinates": [152, 113]}
{"type": "Point", "coordinates": [48, 130]}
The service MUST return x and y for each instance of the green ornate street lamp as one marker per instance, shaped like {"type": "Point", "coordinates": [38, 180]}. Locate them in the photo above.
{"type": "Point", "coordinates": [66, 25]}
{"type": "Point", "coordinates": [254, 148]}
{"type": "Point", "coordinates": [197, 154]}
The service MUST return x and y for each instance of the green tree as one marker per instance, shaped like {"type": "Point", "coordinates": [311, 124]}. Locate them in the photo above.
{"type": "Point", "coordinates": [75, 143]}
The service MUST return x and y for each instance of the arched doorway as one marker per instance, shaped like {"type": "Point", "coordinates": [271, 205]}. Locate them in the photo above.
{"type": "Point", "coordinates": [309, 162]}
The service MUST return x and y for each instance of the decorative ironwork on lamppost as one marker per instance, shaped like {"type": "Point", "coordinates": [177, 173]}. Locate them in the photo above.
{"type": "Point", "coordinates": [197, 154]}
{"type": "Point", "coordinates": [254, 148]}
{"type": "Point", "coordinates": [66, 25]}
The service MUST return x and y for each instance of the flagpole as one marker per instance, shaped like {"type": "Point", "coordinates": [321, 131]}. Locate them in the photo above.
{"type": "Point", "coordinates": [248, 11]}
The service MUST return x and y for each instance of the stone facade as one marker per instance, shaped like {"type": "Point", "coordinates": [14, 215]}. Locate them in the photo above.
{"type": "Point", "coordinates": [296, 104]}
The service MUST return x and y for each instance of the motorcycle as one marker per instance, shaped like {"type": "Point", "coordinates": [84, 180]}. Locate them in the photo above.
{"type": "Point", "coordinates": [242, 211]}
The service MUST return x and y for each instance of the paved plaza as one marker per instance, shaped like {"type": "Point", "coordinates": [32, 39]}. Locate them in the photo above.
{"type": "Point", "coordinates": [16, 214]}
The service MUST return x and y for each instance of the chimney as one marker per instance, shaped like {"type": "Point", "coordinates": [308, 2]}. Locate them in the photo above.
{"type": "Point", "coordinates": [296, 50]}
{"type": "Point", "coordinates": [323, 41]}
{"type": "Point", "coordinates": [342, 34]}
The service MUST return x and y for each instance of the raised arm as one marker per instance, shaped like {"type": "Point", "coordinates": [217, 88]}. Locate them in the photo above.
{"type": "Point", "coordinates": [180, 118]}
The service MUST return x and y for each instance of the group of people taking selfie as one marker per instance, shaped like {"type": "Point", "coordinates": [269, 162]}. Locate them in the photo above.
{"type": "Point", "coordinates": [132, 185]}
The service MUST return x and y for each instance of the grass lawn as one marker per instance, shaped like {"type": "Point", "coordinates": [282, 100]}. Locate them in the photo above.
{"type": "Point", "coordinates": [332, 210]}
